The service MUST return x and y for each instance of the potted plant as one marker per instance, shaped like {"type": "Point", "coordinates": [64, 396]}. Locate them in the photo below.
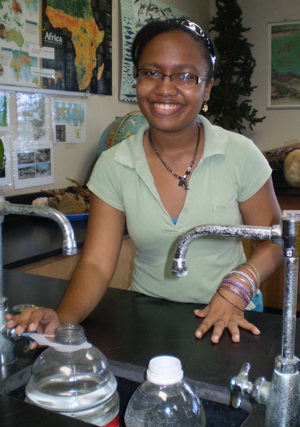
{"type": "Point", "coordinates": [230, 102]}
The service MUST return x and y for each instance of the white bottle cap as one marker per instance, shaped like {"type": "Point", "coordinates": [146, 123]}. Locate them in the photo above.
{"type": "Point", "coordinates": [164, 370]}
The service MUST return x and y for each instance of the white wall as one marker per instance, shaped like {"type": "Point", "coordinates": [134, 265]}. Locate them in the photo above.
{"type": "Point", "coordinates": [281, 126]}
{"type": "Point", "coordinates": [76, 160]}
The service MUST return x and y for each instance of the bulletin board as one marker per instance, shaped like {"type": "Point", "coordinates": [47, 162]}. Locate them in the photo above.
{"type": "Point", "coordinates": [56, 45]}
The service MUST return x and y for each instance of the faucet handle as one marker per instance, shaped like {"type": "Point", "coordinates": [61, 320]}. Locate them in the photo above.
{"type": "Point", "coordinates": [11, 333]}
{"type": "Point", "coordinates": [240, 385]}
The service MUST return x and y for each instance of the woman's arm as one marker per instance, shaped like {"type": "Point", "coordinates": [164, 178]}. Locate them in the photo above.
{"type": "Point", "coordinates": [262, 209]}
{"type": "Point", "coordinates": [97, 263]}
{"type": "Point", "coordinates": [91, 278]}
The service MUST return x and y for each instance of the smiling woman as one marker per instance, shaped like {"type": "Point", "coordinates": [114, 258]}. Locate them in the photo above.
{"type": "Point", "coordinates": [176, 172]}
{"type": "Point", "coordinates": [174, 86]}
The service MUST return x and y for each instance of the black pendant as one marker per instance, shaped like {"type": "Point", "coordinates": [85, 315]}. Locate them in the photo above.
{"type": "Point", "coordinates": [183, 183]}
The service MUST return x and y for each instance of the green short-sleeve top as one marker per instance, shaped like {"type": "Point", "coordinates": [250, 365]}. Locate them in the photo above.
{"type": "Point", "coordinates": [231, 170]}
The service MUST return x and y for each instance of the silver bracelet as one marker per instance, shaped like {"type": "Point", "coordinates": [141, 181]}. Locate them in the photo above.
{"type": "Point", "coordinates": [244, 276]}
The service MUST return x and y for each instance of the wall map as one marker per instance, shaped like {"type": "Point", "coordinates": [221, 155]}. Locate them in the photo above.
{"type": "Point", "coordinates": [58, 45]}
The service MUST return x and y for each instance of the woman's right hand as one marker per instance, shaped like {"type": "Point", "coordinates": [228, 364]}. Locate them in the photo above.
{"type": "Point", "coordinates": [40, 319]}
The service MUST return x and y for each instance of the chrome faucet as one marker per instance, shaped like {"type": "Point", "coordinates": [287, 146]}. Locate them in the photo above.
{"type": "Point", "coordinates": [69, 242]}
{"type": "Point", "coordinates": [7, 353]}
{"type": "Point", "coordinates": [282, 395]}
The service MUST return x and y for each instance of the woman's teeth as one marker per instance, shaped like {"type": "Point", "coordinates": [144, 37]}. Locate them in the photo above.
{"type": "Point", "coordinates": [166, 106]}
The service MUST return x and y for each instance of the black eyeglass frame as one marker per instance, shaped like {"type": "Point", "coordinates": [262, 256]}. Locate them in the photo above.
{"type": "Point", "coordinates": [198, 80]}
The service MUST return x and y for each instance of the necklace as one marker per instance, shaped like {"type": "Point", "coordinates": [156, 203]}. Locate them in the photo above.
{"type": "Point", "coordinates": [182, 179]}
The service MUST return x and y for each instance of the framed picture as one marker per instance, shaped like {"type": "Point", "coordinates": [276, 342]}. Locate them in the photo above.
{"type": "Point", "coordinates": [284, 65]}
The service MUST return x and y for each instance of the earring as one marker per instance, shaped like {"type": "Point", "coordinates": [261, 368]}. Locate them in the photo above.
{"type": "Point", "coordinates": [205, 107]}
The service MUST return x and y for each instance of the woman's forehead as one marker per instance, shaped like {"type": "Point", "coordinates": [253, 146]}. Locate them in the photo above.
{"type": "Point", "coordinates": [173, 47]}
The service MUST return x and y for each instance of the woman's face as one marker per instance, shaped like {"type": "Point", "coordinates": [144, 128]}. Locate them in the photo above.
{"type": "Point", "coordinates": [166, 106]}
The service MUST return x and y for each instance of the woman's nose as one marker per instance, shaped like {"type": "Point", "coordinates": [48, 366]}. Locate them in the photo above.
{"type": "Point", "coordinates": [165, 85]}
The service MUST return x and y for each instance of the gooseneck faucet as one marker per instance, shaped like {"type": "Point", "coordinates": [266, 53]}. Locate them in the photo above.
{"type": "Point", "coordinates": [282, 395]}
{"type": "Point", "coordinates": [69, 246]}
{"type": "Point", "coordinates": [69, 243]}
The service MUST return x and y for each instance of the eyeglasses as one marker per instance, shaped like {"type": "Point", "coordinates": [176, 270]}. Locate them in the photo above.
{"type": "Point", "coordinates": [153, 77]}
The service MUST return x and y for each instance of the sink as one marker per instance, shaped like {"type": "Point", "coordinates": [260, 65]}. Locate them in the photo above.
{"type": "Point", "coordinates": [215, 399]}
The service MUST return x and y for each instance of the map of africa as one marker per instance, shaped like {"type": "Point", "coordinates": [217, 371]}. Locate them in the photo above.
{"type": "Point", "coordinates": [77, 17]}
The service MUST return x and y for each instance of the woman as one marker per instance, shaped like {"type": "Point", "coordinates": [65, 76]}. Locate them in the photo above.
{"type": "Point", "coordinates": [176, 173]}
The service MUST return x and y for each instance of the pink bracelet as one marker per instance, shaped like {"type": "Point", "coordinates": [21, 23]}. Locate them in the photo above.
{"type": "Point", "coordinates": [254, 271]}
{"type": "Point", "coordinates": [239, 286]}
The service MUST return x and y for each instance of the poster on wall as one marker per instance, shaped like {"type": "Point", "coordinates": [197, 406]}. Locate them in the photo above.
{"type": "Point", "coordinates": [56, 45]}
{"type": "Point", "coordinates": [5, 164]}
{"type": "Point", "coordinates": [19, 27]}
{"type": "Point", "coordinates": [284, 65]}
{"type": "Point", "coordinates": [32, 148]}
{"type": "Point", "coordinates": [135, 14]}
{"type": "Point", "coordinates": [32, 117]}
{"type": "Point", "coordinates": [4, 111]}
{"type": "Point", "coordinates": [33, 166]}
{"type": "Point", "coordinates": [69, 122]}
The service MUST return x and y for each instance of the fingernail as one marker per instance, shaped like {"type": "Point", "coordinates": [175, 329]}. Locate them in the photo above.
{"type": "Point", "coordinates": [215, 338]}
{"type": "Point", "coordinates": [198, 334]}
{"type": "Point", "coordinates": [236, 338]}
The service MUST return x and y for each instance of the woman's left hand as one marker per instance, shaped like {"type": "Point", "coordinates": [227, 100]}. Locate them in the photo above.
{"type": "Point", "coordinates": [220, 314]}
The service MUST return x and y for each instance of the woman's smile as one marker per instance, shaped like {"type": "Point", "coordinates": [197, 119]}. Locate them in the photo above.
{"type": "Point", "coordinates": [166, 106]}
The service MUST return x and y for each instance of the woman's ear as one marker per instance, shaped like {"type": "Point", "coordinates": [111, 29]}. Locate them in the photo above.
{"type": "Point", "coordinates": [208, 87]}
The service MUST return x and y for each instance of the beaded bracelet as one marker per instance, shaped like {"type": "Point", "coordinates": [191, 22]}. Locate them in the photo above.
{"type": "Point", "coordinates": [239, 286]}
{"type": "Point", "coordinates": [235, 291]}
{"type": "Point", "coordinates": [229, 302]}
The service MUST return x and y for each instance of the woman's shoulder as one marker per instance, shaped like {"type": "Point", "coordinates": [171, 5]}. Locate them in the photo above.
{"type": "Point", "coordinates": [128, 152]}
{"type": "Point", "coordinates": [219, 141]}
{"type": "Point", "coordinates": [225, 135]}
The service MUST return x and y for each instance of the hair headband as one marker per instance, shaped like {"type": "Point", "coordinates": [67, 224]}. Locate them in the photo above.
{"type": "Point", "coordinates": [195, 28]}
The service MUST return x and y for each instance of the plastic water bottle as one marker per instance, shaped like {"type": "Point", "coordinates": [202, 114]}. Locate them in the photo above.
{"type": "Point", "coordinates": [72, 377]}
{"type": "Point", "coordinates": [165, 398]}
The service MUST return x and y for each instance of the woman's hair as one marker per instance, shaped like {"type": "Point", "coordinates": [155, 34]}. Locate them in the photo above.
{"type": "Point", "coordinates": [154, 28]}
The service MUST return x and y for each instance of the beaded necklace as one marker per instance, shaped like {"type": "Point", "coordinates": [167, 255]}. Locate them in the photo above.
{"type": "Point", "coordinates": [182, 179]}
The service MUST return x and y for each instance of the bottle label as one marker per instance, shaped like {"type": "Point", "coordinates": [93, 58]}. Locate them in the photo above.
{"type": "Point", "coordinates": [114, 423]}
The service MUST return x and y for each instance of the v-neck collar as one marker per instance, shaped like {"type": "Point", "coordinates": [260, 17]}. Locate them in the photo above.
{"type": "Point", "coordinates": [131, 153]}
